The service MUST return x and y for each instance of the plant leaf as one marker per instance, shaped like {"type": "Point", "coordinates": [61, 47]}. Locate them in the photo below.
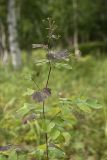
{"type": "Point", "coordinates": [93, 104]}
{"type": "Point", "coordinates": [50, 126]}
{"type": "Point", "coordinates": [67, 137]}
{"type": "Point", "coordinates": [54, 134]}
{"type": "Point", "coordinates": [63, 65]}
{"type": "Point", "coordinates": [41, 62]}
{"type": "Point", "coordinates": [41, 147]}
{"type": "Point", "coordinates": [40, 46]}
{"type": "Point", "coordinates": [25, 109]}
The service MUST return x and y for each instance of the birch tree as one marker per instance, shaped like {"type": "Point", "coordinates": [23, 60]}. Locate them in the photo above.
{"type": "Point", "coordinates": [3, 46]}
{"type": "Point", "coordinates": [75, 22]}
{"type": "Point", "coordinates": [13, 35]}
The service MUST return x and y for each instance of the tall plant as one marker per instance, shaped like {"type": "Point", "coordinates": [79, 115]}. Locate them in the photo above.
{"type": "Point", "coordinates": [49, 126]}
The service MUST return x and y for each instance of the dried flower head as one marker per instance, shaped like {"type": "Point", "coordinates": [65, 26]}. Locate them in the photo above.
{"type": "Point", "coordinates": [5, 148]}
{"type": "Point", "coordinates": [62, 55]}
{"type": "Point", "coordinates": [40, 96]}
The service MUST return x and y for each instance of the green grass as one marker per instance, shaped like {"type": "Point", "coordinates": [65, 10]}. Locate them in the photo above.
{"type": "Point", "coordinates": [88, 78]}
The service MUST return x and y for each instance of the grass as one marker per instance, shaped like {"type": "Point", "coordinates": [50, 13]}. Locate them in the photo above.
{"type": "Point", "coordinates": [87, 78]}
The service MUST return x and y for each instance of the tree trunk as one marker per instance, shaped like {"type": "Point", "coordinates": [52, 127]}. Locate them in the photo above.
{"type": "Point", "coordinates": [3, 46]}
{"type": "Point", "coordinates": [75, 18]}
{"type": "Point", "coordinates": [13, 37]}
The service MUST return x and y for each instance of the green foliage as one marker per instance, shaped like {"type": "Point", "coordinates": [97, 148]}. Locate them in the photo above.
{"type": "Point", "coordinates": [91, 20]}
{"type": "Point", "coordinates": [85, 128]}
{"type": "Point", "coordinates": [93, 48]}
{"type": "Point", "coordinates": [25, 109]}
{"type": "Point", "coordinates": [54, 127]}
{"type": "Point", "coordinates": [71, 124]}
{"type": "Point", "coordinates": [12, 155]}
{"type": "Point", "coordinates": [2, 157]}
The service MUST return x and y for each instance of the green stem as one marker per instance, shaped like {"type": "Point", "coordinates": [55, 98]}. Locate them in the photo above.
{"type": "Point", "coordinates": [49, 74]}
{"type": "Point", "coordinates": [47, 82]}
{"type": "Point", "coordinates": [46, 135]}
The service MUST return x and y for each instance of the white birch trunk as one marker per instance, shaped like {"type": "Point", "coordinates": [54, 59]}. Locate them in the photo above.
{"type": "Point", "coordinates": [13, 37]}
{"type": "Point", "coordinates": [3, 47]}
{"type": "Point", "coordinates": [75, 17]}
